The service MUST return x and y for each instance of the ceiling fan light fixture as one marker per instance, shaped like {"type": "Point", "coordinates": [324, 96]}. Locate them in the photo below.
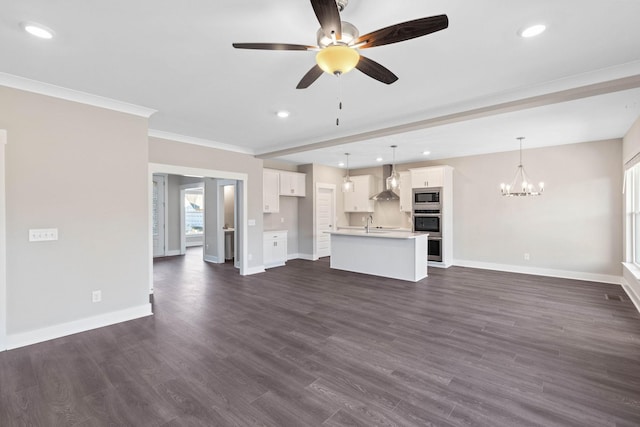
{"type": "Point", "coordinates": [337, 59]}
{"type": "Point", "coordinates": [349, 34]}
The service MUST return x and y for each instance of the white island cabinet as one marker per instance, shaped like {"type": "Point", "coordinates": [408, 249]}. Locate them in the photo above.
{"type": "Point", "coordinates": [394, 254]}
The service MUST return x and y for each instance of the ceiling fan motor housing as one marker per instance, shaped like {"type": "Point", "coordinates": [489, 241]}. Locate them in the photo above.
{"type": "Point", "coordinates": [342, 4]}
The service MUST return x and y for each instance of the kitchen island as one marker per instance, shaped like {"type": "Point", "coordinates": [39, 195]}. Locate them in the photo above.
{"type": "Point", "coordinates": [395, 254]}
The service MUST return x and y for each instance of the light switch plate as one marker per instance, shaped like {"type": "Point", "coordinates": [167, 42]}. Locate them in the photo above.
{"type": "Point", "coordinates": [43, 234]}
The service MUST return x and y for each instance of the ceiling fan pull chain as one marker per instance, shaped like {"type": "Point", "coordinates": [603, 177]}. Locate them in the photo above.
{"type": "Point", "coordinates": [339, 99]}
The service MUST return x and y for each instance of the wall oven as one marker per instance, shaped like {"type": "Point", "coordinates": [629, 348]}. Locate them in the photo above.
{"type": "Point", "coordinates": [428, 221]}
{"type": "Point", "coordinates": [427, 218]}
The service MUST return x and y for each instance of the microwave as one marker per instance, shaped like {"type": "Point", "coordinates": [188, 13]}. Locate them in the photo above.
{"type": "Point", "coordinates": [426, 196]}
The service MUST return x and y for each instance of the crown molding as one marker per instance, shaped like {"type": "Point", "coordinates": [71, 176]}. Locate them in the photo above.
{"type": "Point", "coordinates": [34, 86]}
{"type": "Point", "coordinates": [198, 141]}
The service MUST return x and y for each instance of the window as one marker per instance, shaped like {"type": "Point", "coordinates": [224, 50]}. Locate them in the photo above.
{"type": "Point", "coordinates": [194, 211]}
{"type": "Point", "coordinates": [632, 204]}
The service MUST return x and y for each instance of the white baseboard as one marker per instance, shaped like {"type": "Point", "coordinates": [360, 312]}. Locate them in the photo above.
{"type": "Point", "coordinates": [56, 331]}
{"type": "Point", "coordinates": [308, 257]}
{"type": "Point", "coordinates": [212, 259]}
{"type": "Point", "coordinates": [631, 283]}
{"type": "Point", "coordinates": [292, 256]}
{"type": "Point", "coordinates": [254, 270]}
{"type": "Point", "coordinates": [175, 252]}
{"type": "Point", "coordinates": [565, 274]}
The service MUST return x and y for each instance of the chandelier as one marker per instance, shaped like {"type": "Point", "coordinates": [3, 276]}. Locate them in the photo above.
{"type": "Point", "coordinates": [521, 184]}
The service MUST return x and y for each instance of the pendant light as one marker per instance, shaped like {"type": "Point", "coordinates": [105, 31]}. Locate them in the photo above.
{"type": "Point", "coordinates": [521, 184]}
{"type": "Point", "coordinates": [347, 184]}
{"type": "Point", "coordinates": [393, 181]}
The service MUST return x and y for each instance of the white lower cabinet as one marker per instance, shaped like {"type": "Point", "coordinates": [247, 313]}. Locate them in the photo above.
{"type": "Point", "coordinates": [275, 248]}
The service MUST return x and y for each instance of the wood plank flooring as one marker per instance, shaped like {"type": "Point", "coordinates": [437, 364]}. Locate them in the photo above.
{"type": "Point", "coordinates": [304, 345]}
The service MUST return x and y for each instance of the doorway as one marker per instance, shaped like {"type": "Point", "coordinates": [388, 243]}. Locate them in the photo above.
{"type": "Point", "coordinates": [3, 245]}
{"type": "Point", "coordinates": [159, 215]}
{"type": "Point", "coordinates": [325, 214]}
{"type": "Point", "coordinates": [240, 207]}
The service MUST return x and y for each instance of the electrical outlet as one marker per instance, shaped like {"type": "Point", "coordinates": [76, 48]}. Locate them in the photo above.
{"type": "Point", "coordinates": [526, 256]}
{"type": "Point", "coordinates": [96, 296]}
{"type": "Point", "coordinates": [282, 220]}
{"type": "Point", "coordinates": [43, 234]}
{"type": "Point", "coordinates": [250, 257]}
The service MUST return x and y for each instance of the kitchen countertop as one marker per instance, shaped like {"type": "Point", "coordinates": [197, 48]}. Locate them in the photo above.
{"type": "Point", "coordinates": [377, 233]}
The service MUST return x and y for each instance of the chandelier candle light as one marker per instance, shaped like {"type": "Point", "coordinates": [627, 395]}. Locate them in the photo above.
{"type": "Point", "coordinates": [521, 184]}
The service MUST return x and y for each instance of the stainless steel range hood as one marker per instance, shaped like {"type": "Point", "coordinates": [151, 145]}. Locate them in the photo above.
{"type": "Point", "coordinates": [387, 194]}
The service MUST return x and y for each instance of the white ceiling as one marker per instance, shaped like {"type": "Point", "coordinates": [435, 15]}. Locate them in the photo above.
{"type": "Point", "coordinates": [177, 58]}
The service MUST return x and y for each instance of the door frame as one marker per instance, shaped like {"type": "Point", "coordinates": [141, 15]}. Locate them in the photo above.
{"type": "Point", "coordinates": [241, 204]}
{"type": "Point", "coordinates": [221, 183]}
{"type": "Point", "coordinates": [320, 185]}
{"type": "Point", "coordinates": [3, 244]}
{"type": "Point", "coordinates": [165, 212]}
{"type": "Point", "coordinates": [183, 236]}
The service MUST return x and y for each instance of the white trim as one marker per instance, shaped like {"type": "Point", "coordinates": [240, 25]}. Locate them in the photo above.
{"type": "Point", "coordinates": [34, 86]}
{"type": "Point", "coordinates": [308, 257]}
{"type": "Point", "coordinates": [212, 259]}
{"type": "Point", "coordinates": [633, 296]}
{"type": "Point", "coordinates": [3, 245]}
{"type": "Point", "coordinates": [254, 270]}
{"type": "Point", "coordinates": [198, 141]}
{"type": "Point", "coordinates": [631, 282]}
{"type": "Point", "coordinates": [174, 252]}
{"type": "Point", "coordinates": [565, 274]}
{"type": "Point", "coordinates": [183, 236]}
{"type": "Point", "coordinates": [293, 256]}
{"type": "Point", "coordinates": [77, 326]}
{"type": "Point", "coordinates": [241, 226]}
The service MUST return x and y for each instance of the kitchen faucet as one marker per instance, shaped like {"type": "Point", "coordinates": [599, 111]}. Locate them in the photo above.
{"type": "Point", "coordinates": [369, 222]}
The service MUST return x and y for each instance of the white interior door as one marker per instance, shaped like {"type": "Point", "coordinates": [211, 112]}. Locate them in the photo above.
{"type": "Point", "coordinates": [158, 226]}
{"type": "Point", "coordinates": [325, 218]}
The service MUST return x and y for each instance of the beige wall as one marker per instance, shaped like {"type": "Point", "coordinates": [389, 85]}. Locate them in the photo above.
{"type": "Point", "coordinates": [575, 226]}
{"type": "Point", "coordinates": [163, 151]}
{"type": "Point", "coordinates": [631, 145]}
{"type": "Point", "coordinates": [82, 170]}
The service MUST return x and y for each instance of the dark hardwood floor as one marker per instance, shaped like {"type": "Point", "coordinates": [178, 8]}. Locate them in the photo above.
{"type": "Point", "coordinates": [303, 345]}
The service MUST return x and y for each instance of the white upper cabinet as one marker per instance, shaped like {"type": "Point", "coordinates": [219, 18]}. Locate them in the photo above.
{"type": "Point", "coordinates": [427, 177]}
{"type": "Point", "coordinates": [270, 191]}
{"type": "Point", "coordinates": [358, 199]}
{"type": "Point", "coordinates": [405, 191]}
{"type": "Point", "coordinates": [292, 184]}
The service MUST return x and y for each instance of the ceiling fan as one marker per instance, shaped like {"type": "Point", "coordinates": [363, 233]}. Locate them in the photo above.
{"type": "Point", "coordinates": [339, 43]}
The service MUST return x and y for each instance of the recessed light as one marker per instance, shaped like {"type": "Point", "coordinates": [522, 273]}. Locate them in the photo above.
{"type": "Point", "coordinates": [341, 164]}
{"type": "Point", "coordinates": [532, 31]}
{"type": "Point", "coordinates": [37, 30]}
{"type": "Point", "coordinates": [426, 153]}
{"type": "Point", "coordinates": [282, 114]}
{"type": "Point", "coordinates": [379, 159]}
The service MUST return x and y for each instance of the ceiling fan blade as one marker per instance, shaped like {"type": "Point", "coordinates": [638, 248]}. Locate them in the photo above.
{"type": "Point", "coordinates": [376, 71]}
{"type": "Point", "coordinates": [273, 46]}
{"type": "Point", "coordinates": [403, 31]}
{"type": "Point", "coordinates": [329, 17]}
{"type": "Point", "coordinates": [311, 76]}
